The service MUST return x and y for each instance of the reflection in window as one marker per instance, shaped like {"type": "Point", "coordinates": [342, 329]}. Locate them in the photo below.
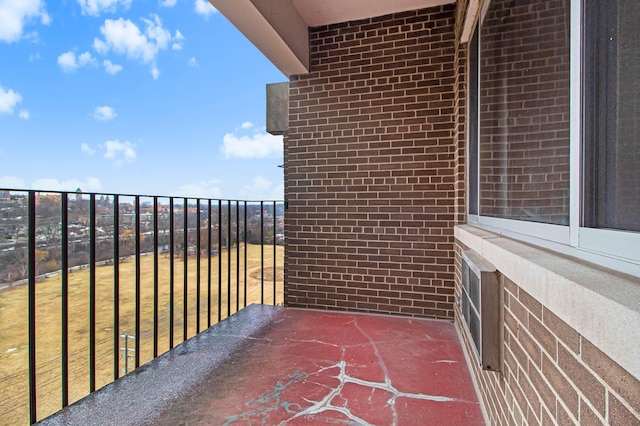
{"type": "Point", "coordinates": [524, 111]}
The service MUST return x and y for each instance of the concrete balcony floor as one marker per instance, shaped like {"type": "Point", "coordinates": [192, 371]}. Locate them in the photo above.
{"type": "Point", "coordinates": [278, 366]}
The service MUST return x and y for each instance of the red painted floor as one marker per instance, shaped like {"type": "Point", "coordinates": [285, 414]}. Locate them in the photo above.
{"type": "Point", "coordinates": [312, 367]}
{"type": "Point", "coordinates": [270, 365]}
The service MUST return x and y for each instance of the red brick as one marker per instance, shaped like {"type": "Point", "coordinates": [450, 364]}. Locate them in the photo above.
{"type": "Point", "coordinates": [582, 379]}
{"type": "Point", "coordinates": [619, 414]}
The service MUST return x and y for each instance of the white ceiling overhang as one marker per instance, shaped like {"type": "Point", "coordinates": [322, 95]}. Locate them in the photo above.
{"type": "Point", "coordinates": [279, 28]}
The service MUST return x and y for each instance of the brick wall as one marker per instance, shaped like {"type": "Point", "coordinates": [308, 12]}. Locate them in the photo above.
{"type": "Point", "coordinates": [551, 374]}
{"type": "Point", "coordinates": [370, 160]}
{"type": "Point", "coordinates": [524, 104]}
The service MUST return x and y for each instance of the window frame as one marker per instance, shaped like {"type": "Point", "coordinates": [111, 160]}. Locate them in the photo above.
{"type": "Point", "coordinates": [615, 249]}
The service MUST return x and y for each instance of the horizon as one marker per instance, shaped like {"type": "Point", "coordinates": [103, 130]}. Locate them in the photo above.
{"type": "Point", "coordinates": [157, 97]}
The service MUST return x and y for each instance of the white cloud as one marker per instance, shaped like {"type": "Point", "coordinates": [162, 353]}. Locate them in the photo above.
{"type": "Point", "coordinates": [262, 189]}
{"type": "Point", "coordinates": [168, 3]}
{"type": "Point", "coordinates": [178, 41]}
{"type": "Point", "coordinates": [24, 114]}
{"type": "Point", "coordinates": [124, 37]}
{"type": "Point", "coordinates": [259, 145]}
{"type": "Point", "coordinates": [87, 149]}
{"type": "Point", "coordinates": [90, 184]}
{"type": "Point", "coordinates": [208, 189]}
{"type": "Point", "coordinates": [8, 100]}
{"type": "Point", "coordinates": [247, 125]}
{"type": "Point", "coordinates": [34, 57]}
{"type": "Point", "coordinates": [155, 73]}
{"type": "Point", "coordinates": [104, 113]}
{"type": "Point", "coordinates": [10, 182]}
{"type": "Point", "coordinates": [69, 62]}
{"type": "Point", "coordinates": [95, 7]}
{"type": "Point", "coordinates": [85, 59]}
{"type": "Point", "coordinates": [15, 14]}
{"type": "Point", "coordinates": [193, 63]}
{"type": "Point", "coordinates": [204, 8]}
{"type": "Point", "coordinates": [120, 152]}
{"type": "Point", "coordinates": [111, 68]}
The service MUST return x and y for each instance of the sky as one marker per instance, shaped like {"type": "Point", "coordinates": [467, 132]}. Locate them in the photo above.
{"type": "Point", "coordinates": [149, 97]}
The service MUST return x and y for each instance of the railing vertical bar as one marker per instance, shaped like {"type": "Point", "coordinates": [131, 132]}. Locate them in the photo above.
{"type": "Point", "coordinates": [171, 270]}
{"type": "Point", "coordinates": [275, 226]}
{"type": "Point", "coordinates": [209, 263]}
{"type": "Point", "coordinates": [262, 252]}
{"type": "Point", "coordinates": [116, 287]}
{"type": "Point", "coordinates": [92, 292]}
{"type": "Point", "coordinates": [245, 254]}
{"type": "Point", "coordinates": [228, 258]}
{"type": "Point", "coordinates": [185, 270]}
{"type": "Point", "coordinates": [138, 271]}
{"type": "Point", "coordinates": [198, 266]}
{"type": "Point", "coordinates": [156, 253]}
{"type": "Point", "coordinates": [219, 260]}
{"type": "Point", "coordinates": [64, 210]}
{"type": "Point", "coordinates": [32, 307]}
{"type": "Point", "coordinates": [237, 256]}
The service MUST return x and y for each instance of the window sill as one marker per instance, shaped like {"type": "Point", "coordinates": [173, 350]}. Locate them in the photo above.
{"type": "Point", "coordinates": [600, 304]}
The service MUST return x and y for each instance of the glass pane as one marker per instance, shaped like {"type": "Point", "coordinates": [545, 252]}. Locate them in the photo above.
{"type": "Point", "coordinates": [524, 111]}
{"type": "Point", "coordinates": [474, 290]}
{"type": "Point", "coordinates": [465, 276]}
{"type": "Point", "coordinates": [612, 114]}
{"type": "Point", "coordinates": [474, 328]}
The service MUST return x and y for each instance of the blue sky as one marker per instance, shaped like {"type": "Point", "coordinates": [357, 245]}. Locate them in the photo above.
{"type": "Point", "coordinates": [152, 97]}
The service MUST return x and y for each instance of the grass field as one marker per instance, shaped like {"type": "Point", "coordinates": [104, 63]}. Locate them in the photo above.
{"type": "Point", "coordinates": [14, 348]}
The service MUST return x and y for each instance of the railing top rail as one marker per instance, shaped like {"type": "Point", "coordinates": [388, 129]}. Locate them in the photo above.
{"type": "Point", "coordinates": [112, 194]}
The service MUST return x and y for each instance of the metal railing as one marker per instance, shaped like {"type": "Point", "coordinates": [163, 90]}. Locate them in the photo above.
{"type": "Point", "coordinates": [108, 258]}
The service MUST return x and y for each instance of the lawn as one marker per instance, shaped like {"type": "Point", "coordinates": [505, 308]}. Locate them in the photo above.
{"type": "Point", "coordinates": [14, 321]}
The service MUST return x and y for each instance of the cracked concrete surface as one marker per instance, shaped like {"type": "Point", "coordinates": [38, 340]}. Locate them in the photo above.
{"type": "Point", "coordinates": [336, 368]}
{"type": "Point", "coordinates": [309, 367]}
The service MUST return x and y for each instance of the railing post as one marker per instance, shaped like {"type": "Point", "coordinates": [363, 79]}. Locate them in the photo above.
{"type": "Point", "coordinates": [198, 266]}
{"type": "Point", "coordinates": [171, 270]}
{"type": "Point", "coordinates": [238, 256]}
{"type": "Point", "coordinates": [64, 210]}
{"type": "Point", "coordinates": [92, 293]}
{"type": "Point", "coordinates": [245, 254]}
{"type": "Point", "coordinates": [209, 248]}
{"type": "Point", "coordinates": [156, 253]}
{"type": "Point", "coordinates": [32, 307]}
{"type": "Point", "coordinates": [262, 252]}
{"type": "Point", "coordinates": [116, 287]}
{"type": "Point", "coordinates": [228, 258]}
{"type": "Point", "coordinates": [185, 270]}
{"type": "Point", "coordinates": [138, 270]}
{"type": "Point", "coordinates": [219, 260]}
{"type": "Point", "coordinates": [275, 225]}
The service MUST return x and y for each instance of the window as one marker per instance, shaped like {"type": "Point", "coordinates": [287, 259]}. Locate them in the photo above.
{"type": "Point", "coordinates": [554, 126]}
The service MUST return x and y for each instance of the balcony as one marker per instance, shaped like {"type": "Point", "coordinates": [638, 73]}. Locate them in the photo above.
{"type": "Point", "coordinates": [200, 281]}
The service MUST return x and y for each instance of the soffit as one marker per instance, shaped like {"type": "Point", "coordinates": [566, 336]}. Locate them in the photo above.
{"type": "Point", "coordinates": [325, 12]}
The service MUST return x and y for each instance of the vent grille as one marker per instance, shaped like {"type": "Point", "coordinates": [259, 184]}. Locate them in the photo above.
{"type": "Point", "coordinates": [481, 306]}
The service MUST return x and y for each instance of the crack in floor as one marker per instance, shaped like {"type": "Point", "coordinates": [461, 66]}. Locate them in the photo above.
{"type": "Point", "coordinates": [328, 403]}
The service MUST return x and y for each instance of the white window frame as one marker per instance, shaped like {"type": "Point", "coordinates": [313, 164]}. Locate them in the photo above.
{"type": "Point", "coordinates": [618, 250]}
